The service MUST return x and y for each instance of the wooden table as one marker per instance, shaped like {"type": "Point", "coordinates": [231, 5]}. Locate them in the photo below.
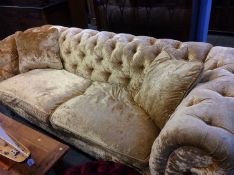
{"type": "Point", "coordinates": [44, 150]}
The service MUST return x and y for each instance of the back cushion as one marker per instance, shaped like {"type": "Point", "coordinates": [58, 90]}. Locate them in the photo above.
{"type": "Point", "coordinates": [38, 48]}
{"type": "Point", "coordinates": [166, 83]}
{"type": "Point", "coordinates": [9, 63]}
{"type": "Point", "coordinates": [119, 58]}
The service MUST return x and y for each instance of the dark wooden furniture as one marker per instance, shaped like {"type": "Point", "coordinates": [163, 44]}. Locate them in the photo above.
{"type": "Point", "coordinates": [161, 19]}
{"type": "Point", "coordinates": [19, 15]}
{"type": "Point", "coordinates": [44, 150]}
{"type": "Point", "coordinates": [222, 17]}
{"type": "Point", "coordinates": [78, 12]}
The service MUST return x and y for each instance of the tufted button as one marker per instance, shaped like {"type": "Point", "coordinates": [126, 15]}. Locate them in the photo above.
{"type": "Point", "coordinates": [94, 33]}
{"type": "Point", "coordinates": [178, 46]}
{"type": "Point", "coordinates": [99, 59]}
{"type": "Point", "coordinates": [64, 38]}
{"type": "Point", "coordinates": [230, 70]}
{"type": "Point", "coordinates": [63, 62]}
{"type": "Point", "coordinates": [141, 67]}
{"type": "Point", "coordinates": [111, 36]}
{"type": "Point", "coordinates": [95, 43]}
{"type": "Point", "coordinates": [138, 68]}
{"type": "Point", "coordinates": [82, 55]}
{"type": "Point", "coordinates": [89, 70]}
{"type": "Point", "coordinates": [222, 93]}
{"type": "Point", "coordinates": [130, 39]}
{"type": "Point", "coordinates": [194, 101]}
{"type": "Point", "coordinates": [74, 66]}
{"type": "Point", "coordinates": [157, 53]}
{"type": "Point", "coordinates": [68, 51]}
{"type": "Point", "coordinates": [152, 41]}
{"type": "Point", "coordinates": [134, 50]}
{"type": "Point", "coordinates": [119, 64]}
{"type": "Point", "coordinates": [127, 80]}
{"type": "Point", "coordinates": [113, 45]}
{"type": "Point", "coordinates": [219, 64]}
{"type": "Point", "coordinates": [78, 41]}
{"type": "Point", "coordinates": [190, 103]}
{"type": "Point", "coordinates": [106, 75]}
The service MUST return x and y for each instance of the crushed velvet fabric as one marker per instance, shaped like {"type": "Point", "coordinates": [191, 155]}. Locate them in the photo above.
{"type": "Point", "coordinates": [38, 48]}
{"type": "Point", "coordinates": [9, 63]}
{"type": "Point", "coordinates": [40, 91]}
{"type": "Point", "coordinates": [198, 137]}
{"type": "Point", "coordinates": [119, 58]}
{"type": "Point", "coordinates": [92, 149]}
{"type": "Point", "coordinates": [117, 123]}
{"type": "Point", "coordinates": [166, 82]}
{"type": "Point", "coordinates": [204, 120]}
{"type": "Point", "coordinates": [191, 160]}
{"type": "Point", "coordinates": [189, 51]}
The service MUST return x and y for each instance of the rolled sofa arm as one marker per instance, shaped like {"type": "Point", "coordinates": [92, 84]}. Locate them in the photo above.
{"type": "Point", "coordinates": [188, 145]}
{"type": "Point", "coordinates": [199, 137]}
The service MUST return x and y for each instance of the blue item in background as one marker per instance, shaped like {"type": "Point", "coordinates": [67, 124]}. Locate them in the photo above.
{"type": "Point", "coordinates": [200, 20]}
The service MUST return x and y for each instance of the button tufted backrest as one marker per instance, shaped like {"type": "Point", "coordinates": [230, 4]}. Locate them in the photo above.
{"type": "Point", "coordinates": [220, 58]}
{"type": "Point", "coordinates": [218, 77]}
{"type": "Point", "coordinates": [212, 100]}
{"type": "Point", "coordinates": [119, 58]}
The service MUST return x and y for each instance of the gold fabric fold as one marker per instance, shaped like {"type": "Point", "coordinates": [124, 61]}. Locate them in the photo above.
{"type": "Point", "coordinates": [39, 92]}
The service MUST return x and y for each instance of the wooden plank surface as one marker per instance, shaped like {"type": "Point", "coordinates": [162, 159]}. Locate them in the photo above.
{"type": "Point", "coordinates": [44, 150]}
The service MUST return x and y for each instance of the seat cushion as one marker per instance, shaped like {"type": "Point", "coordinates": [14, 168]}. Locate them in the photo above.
{"type": "Point", "coordinates": [166, 83]}
{"type": "Point", "coordinates": [40, 91]}
{"type": "Point", "coordinates": [106, 115]}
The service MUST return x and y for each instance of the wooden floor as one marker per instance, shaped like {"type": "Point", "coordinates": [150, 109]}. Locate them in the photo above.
{"type": "Point", "coordinates": [74, 157]}
{"type": "Point", "coordinates": [45, 151]}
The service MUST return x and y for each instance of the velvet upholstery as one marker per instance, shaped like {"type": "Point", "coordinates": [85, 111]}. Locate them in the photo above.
{"type": "Point", "coordinates": [166, 82]}
{"type": "Point", "coordinates": [103, 72]}
{"type": "Point", "coordinates": [202, 126]}
{"type": "Point", "coordinates": [119, 58]}
{"type": "Point", "coordinates": [113, 116]}
{"type": "Point", "coordinates": [9, 63]}
{"type": "Point", "coordinates": [38, 48]}
{"type": "Point", "coordinates": [39, 92]}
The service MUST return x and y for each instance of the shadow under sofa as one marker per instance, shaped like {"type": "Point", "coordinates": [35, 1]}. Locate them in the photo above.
{"type": "Point", "coordinates": [95, 90]}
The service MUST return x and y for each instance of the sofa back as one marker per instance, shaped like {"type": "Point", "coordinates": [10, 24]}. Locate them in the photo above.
{"type": "Point", "coordinates": [119, 58]}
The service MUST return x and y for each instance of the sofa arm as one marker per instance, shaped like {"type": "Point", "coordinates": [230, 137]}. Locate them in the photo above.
{"type": "Point", "coordinates": [187, 144]}
{"type": "Point", "coordinates": [199, 137]}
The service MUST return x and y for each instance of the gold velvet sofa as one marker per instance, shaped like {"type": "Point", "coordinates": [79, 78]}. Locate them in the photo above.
{"type": "Point", "coordinates": [158, 105]}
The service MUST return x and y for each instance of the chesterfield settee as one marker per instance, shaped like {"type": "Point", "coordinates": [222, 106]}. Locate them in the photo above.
{"type": "Point", "coordinates": [158, 105]}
